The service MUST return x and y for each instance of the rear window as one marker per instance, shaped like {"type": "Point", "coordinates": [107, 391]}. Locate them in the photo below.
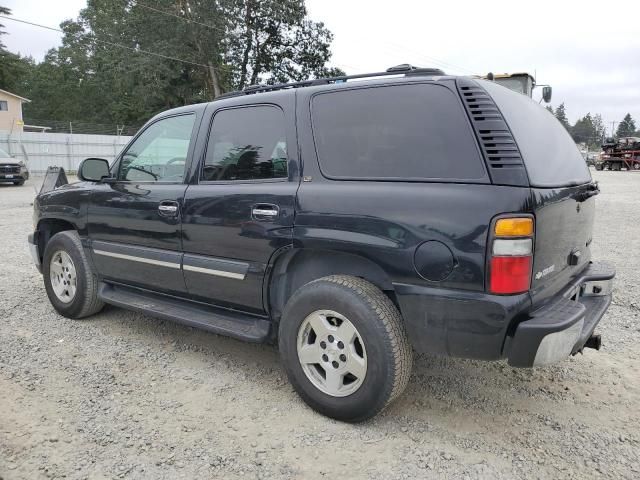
{"type": "Point", "coordinates": [401, 132]}
{"type": "Point", "coordinates": [550, 155]}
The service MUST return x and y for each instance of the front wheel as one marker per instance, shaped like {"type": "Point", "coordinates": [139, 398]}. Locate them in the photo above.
{"type": "Point", "coordinates": [344, 347]}
{"type": "Point", "coordinates": [71, 284]}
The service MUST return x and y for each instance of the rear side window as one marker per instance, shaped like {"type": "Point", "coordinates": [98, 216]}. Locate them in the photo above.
{"type": "Point", "coordinates": [550, 155]}
{"type": "Point", "coordinates": [247, 143]}
{"type": "Point", "coordinates": [397, 132]}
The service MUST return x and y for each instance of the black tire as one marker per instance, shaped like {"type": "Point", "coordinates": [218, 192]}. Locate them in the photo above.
{"type": "Point", "coordinates": [377, 320]}
{"type": "Point", "coordinates": [598, 166]}
{"type": "Point", "coordinates": [85, 301]}
{"type": "Point", "coordinates": [616, 167]}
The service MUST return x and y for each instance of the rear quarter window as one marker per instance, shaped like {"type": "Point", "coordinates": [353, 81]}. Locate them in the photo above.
{"type": "Point", "coordinates": [550, 155]}
{"type": "Point", "coordinates": [395, 132]}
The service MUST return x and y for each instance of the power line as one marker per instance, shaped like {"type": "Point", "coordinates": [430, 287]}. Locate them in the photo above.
{"type": "Point", "coordinates": [136, 50]}
{"type": "Point", "coordinates": [164, 12]}
{"type": "Point", "coordinates": [430, 59]}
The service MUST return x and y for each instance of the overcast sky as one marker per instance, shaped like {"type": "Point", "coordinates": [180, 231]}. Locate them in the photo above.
{"type": "Point", "coordinates": [586, 50]}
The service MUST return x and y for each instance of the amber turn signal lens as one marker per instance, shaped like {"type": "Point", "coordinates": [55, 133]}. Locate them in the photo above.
{"type": "Point", "coordinates": [514, 227]}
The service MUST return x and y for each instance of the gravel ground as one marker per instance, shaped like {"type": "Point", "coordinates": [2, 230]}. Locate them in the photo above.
{"type": "Point", "coordinates": [122, 395]}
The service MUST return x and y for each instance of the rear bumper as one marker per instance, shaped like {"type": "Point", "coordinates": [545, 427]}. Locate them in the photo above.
{"type": "Point", "coordinates": [481, 326]}
{"type": "Point", "coordinates": [563, 325]}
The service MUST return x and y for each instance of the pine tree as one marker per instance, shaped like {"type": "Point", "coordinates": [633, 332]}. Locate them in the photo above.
{"type": "Point", "coordinates": [627, 127]}
{"type": "Point", "coordinates": [561, 115]}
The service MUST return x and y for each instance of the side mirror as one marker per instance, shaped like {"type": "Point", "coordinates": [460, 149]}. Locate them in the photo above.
{"type": "Point", "coordinates": [93, 169]}
{"type": "Point", "coordinates": [546, 94]}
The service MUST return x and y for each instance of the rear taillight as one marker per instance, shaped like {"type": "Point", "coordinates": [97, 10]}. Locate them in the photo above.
{"type": "Point", "coordinates": [511, 255]}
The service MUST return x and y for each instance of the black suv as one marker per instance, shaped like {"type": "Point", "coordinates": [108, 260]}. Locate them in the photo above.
{"type": "Point", "coordinates": [349, 219]}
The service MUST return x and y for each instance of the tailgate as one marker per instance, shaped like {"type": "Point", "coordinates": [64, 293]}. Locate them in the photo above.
{"type": "Point", "coordinates": [564, 225]}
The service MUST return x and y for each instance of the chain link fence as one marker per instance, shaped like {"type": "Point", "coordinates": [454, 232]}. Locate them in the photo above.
{"type": "Point", "coordinates": [72, 127]}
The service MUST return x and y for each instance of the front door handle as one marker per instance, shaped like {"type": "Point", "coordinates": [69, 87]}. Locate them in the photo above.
{"type": "Point", "coordinates": [168, 209]}
{"type": "Point", "coordinates": [265, 211]}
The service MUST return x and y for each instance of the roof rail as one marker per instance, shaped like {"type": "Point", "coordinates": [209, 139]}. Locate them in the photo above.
{"type": "Point", "coordinates": [407, 69]}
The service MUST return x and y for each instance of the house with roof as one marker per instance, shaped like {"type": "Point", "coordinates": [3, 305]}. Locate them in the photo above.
{"type": "Point", "coordinates": [11, 112]}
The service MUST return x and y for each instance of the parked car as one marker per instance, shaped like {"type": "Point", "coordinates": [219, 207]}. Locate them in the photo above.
{"type": "Point", "coordinates": [350, 220]}
{"type": "Point", "coordinates": [12, 170]}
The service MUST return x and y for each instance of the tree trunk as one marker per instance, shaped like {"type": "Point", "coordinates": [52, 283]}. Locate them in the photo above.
{"type": "Point", "coordinates": [215, 81]}
{"type": "Point", "coordinates": [247, 48]}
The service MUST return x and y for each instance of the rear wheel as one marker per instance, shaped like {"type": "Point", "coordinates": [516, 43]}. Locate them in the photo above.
{"type": "Point", "coordinates": [344, 347]}
{"type": "Point", "coordinates": [636, 165]}
{"type": "Point", "coordinates": [71, 284]}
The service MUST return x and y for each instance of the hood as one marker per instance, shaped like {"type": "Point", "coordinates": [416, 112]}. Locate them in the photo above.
{"type": "Point", "coordinates": [9, 161]}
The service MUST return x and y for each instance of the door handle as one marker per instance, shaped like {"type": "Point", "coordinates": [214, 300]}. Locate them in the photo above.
{"type": "Point", "coordinates": [168, 209]}
{"type": "Point", "coordinates": [264, 211]}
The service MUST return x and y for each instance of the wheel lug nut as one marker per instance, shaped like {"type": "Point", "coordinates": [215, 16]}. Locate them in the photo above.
{"type": "Point", "coordinates": [331, 339]}
{"type": "Point", "coordinates": [323, 345]}
{"type": "Point", "coordinates": [325, 358]}
{"type": "Point", "coordinates": [335, 364]}
{"type": "Point", "coordinates": [340, 345]}
{"type": "Point", "coordinates": [343, 358]}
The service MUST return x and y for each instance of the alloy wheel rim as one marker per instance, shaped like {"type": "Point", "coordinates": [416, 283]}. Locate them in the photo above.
{"type": "Point", "coordinates": [62, 273]}
{"type": "Point", "coordinates": [332, 353]}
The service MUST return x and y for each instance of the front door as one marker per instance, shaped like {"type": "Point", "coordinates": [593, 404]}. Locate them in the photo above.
{"type": "Point", "coordinates": [242, 208]}
{"type": "Point", "coordinates": [134, 223]}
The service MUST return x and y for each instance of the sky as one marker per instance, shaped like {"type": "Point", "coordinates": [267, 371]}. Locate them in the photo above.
{"type": "Point", "coordinates": [584, 50]}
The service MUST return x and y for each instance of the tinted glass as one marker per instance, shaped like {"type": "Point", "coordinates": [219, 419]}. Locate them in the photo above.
{"type": "Point", "coordinates": [395, 132]}
{"type": "Point", "coordinates": [246, 144]}
{"type": "Point", "coordinates": [159, 154]}
{"type": "Point", "coordinates": [550, 155]}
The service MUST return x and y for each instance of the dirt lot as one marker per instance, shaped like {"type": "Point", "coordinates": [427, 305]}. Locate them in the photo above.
{"type": "Point", "coordinates": [122, 395]}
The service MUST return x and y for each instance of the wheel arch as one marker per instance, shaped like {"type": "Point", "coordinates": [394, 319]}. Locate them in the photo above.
{"type": "Point", "coordinates": [297, 267]}
{"type": "Point", "coordinates": [47, 228]}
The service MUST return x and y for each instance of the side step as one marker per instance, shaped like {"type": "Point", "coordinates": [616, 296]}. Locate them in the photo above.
{"type": "Point", "coordinates": [216, 320]}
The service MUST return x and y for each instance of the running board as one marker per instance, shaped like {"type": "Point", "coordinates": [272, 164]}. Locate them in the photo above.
{"type": "Point", "coordinates": [216, 320]}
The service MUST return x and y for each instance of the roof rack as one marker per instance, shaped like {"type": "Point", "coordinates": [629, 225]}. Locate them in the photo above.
{"type": "Point", "coordinates": [397, 70]}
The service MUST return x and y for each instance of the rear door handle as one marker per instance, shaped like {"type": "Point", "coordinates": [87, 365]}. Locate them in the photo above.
{"type": "Point", "coordinates": [168, 208]}
{"type": "Point", "coordinates": [265, 211]}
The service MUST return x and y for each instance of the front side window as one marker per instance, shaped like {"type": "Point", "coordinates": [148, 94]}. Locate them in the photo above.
{"type": "Point", "coordinates": [159, 154]}
{"type": "Point", "coordinates": [4, 105]}
{"type": "Point", "coordinates": [247, 143]}
{"type": "Point", "coordinates": [398, 132]}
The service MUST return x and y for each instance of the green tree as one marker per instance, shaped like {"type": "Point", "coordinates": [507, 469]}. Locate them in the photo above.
{"type": "Point", "coordinates": [627, 127]}
{"type": "Point", "coordinates": [561, 115]}
{"type": "Point", "coordinates": [550, 109]}
{"type": "Point", "coordinates": [14, 69]}
{"type": "Point", "coordinates": [584, 131]}
{"type": "Point", "coordinates": [600, 130]}
{"type": "Point", "coordinates": [122, 61]}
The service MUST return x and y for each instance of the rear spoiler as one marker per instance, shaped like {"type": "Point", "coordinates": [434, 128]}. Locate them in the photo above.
{"type": "Point", "coordinates": [54, 178]}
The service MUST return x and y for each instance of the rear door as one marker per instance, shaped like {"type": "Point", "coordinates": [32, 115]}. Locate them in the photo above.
{"type": "Point", "coordinates": [241, 209]}
{"type": "Point", "coordinates": [562, 192]}
{"type": "Point", "coordinates": [134, 223]}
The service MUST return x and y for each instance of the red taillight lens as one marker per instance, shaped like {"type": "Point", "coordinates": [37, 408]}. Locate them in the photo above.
{"type": "Point", "coordinates": [510, 274]}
